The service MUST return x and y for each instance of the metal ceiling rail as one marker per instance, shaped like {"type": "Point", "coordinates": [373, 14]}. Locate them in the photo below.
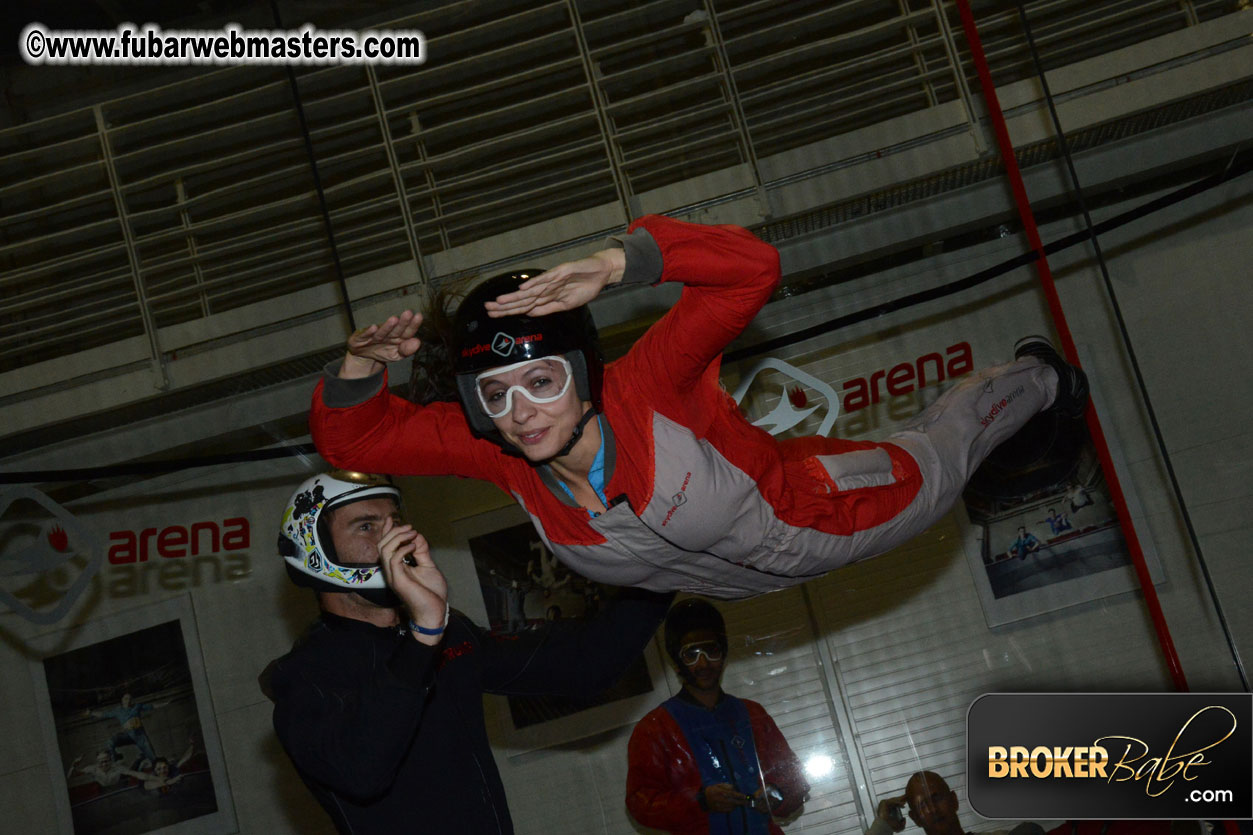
{"type": "Point", "coordinates": [555, 126]}
{"type": "Point", "coordinates": [293, 144]}
{"type": "Point", "coordinates": [834, 70]}
{"type": "Point", "coordinates": [646, 39]}
{"type": "Point", "coordinates": [519, 111]}
{"type": "Point", "coordinates": [43, 296]}
{"type": "Point", "coordinates": [57, 321]}
{"type": "Point", "coordinates": [532, 111]}
{"type": "Point", "coordinates": [180, 116]}
{"type": "Point", "coordinates": [645, 12]}
{"type": "Point", "coordinates": [17, 246]}
{"type": "Point", "coordinates": [288, 173]}
{"type": "Point", "coordinates": [508, 166]}
{"type": "Point", "coordinates": [76, 258]}
{"type": "Point", "coordinates": [460, 94]}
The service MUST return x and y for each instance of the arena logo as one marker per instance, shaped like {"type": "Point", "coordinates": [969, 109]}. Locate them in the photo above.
{"type": "Point", "coordinates": [177, 557]}
{"type": "Point", "coordinates": [907, 377]}
{"type": "Point", "coordinates": [504, 344]}
{"type": "Point", "coordinates": [856, 394]}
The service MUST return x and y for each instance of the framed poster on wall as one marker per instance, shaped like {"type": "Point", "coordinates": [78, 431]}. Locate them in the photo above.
{"type": "Point", "coordinates": [1041, 531]}
{"type": "Point", "coordinates": [129, 727]}
{"type": "Point", "coordinates": [525, 588]}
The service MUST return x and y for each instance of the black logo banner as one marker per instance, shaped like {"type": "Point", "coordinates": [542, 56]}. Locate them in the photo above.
{"type": "Point", "coordinates": [1108, 756]}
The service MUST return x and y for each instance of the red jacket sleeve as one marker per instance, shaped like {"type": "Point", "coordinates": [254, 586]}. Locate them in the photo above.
{"type": "Point", "coordinates": [662, 780]}
{"type": "Point", "coordinates": [779, 765]}
{"type": "Point", "coordinates": [727, 274]}
{"type": "Point", "coordinates": [388, 434]}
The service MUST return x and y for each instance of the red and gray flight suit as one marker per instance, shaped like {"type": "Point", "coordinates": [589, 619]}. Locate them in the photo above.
{"type": "Point", "coordinates": [701, 500]}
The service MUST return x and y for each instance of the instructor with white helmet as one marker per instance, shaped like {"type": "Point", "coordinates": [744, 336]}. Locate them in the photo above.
{"type": "Point", "coordinates": [380, 705]}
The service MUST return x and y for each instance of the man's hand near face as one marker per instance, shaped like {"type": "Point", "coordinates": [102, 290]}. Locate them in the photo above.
{"type": "Point", "coordinates": [405, 558]}
{"type": "Point", "coordinates": [891, 811]}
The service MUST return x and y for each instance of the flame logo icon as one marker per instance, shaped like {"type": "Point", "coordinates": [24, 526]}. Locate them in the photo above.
{"type": "Point", "coordinates": [59, 539]}
{"type": "Point", "coordinates": [44, 558]}
{"type": "Point", "coordinates": [793, 406]}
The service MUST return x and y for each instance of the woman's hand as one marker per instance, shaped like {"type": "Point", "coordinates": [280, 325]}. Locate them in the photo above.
{"type": "Point", "coordinates": [405, 558]}
{"type": "Point", "coordinates": [370, 348]}
{"type": "Point", "coordinates": [564, 287]}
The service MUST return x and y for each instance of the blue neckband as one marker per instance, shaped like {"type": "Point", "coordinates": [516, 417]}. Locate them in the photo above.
{"type": "Point", "coordinates": [596, 475]}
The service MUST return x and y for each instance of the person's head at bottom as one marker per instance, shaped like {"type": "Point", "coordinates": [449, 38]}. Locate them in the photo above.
{"type": "Point", "coordinates": [696, 641]}
{"type": "Point", "coordinates": [342, 536]}
{"type": "Point", "coordinates": [932, 804]}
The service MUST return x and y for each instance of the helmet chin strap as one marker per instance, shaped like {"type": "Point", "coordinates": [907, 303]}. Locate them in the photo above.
{"type": "Point", "coordinates": [576, 434]}
{"type": "Point", "coordinates": [384, 597]}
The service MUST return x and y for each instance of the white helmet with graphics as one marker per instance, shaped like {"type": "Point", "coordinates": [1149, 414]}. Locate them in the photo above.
{"type": "Point", "coordinates": [305, 541]}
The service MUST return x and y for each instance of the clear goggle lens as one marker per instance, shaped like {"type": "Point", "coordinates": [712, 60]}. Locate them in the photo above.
{"type": "Point", "coordinates": [689, 654]}
{"type": "Point", "coordinates": [540, 381]}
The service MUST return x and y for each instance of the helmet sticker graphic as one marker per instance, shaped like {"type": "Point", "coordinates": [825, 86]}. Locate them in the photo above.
{"type": "Point", "coordinates": [47, 559]}
{"type": "Point", "coordinates": [307, 501]}
{"type": "Point", "coordinates": [502, 344]}
{"type": "Point", "coordinates": [791, 408]}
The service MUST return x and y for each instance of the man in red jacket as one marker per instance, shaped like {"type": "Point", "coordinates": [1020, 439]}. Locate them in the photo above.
{"type": "Point", "coordinates": [706, 761]}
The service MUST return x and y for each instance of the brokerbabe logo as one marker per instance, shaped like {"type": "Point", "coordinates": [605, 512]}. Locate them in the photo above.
{"type": "Point", "coordinates": [1111, 756]}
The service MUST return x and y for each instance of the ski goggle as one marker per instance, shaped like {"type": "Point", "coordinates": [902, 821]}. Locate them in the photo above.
{"type": "Point", "coordinates": [689, 654]}
{"type": "Point", "coordinates": [543, 380]}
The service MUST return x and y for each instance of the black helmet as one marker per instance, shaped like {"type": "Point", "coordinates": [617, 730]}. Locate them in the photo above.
{"type": "Point", "coordinates": [481, 343]}
{"type": "Point", "coordinates": [689, 616]}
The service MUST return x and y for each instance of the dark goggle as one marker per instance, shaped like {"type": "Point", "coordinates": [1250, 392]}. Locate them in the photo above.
{"type": "Point", "coordinates": [689, 654]}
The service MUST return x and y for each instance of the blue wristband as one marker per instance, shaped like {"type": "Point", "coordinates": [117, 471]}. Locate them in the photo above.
{"type": "Point", "coordinates": [422, 630]}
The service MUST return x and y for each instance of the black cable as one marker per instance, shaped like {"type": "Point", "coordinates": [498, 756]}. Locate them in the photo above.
{"type": "Point", "coordinates": [156, 467]}
{"type": "Point", "coordinates": [317, 178]}
{"type": "Point", "coordinates": [1240, 163]}
{"type": "Point", "coordinates": [1131, 354]}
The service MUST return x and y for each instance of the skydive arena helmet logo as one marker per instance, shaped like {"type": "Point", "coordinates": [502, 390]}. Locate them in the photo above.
{"type": "Point", "coordinates": [1111, 756]}
{"type": "Point", "coordinates": [502, 344]}
{"type": "Point", "coordinates": [47, 556]}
